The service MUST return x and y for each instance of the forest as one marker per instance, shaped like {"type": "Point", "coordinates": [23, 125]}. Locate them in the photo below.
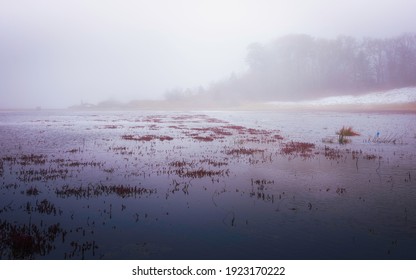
{"type": "Point", "coordinates": [299, 67]}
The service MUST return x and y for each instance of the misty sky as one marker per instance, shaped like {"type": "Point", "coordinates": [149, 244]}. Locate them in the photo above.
{"type": "Point", "coordinates": [56, 53]}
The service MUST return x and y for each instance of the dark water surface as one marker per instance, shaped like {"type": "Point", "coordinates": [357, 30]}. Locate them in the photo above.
{"type": "Point", "coordinates": [210, 185]}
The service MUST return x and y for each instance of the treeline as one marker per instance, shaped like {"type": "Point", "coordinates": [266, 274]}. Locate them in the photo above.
{"type": "Point", "coordinates": [301, 66]}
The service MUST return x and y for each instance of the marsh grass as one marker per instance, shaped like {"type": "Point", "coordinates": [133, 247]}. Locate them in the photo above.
{"type": "Point", "coordinates": [345, 132]}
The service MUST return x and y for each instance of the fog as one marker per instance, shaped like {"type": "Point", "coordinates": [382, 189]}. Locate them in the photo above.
{"type": "Point", "coordinates": [56, 54]}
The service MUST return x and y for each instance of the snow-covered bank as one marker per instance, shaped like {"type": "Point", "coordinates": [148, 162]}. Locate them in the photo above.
{"type": "Point", "coordinates": [396, 99]}
{"type": "Point", "coordinates": [395, 96]}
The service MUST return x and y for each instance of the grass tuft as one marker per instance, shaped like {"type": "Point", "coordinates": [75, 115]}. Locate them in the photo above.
{"type": "Point", "coordinates": [346, 132]}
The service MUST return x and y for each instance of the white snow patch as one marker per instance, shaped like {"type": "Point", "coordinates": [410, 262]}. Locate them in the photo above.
{"type": "Point", "coordinates": [395, 96]}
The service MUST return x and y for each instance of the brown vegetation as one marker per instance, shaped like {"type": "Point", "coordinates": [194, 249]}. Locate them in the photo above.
{"type": "Point", "coordinates": [146, 138]}
{"type": "Point", "coordinates": [303, 149]}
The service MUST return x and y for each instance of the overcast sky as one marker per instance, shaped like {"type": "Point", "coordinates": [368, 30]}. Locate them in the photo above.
{"type": "Point", "coordinates": [56, 53]}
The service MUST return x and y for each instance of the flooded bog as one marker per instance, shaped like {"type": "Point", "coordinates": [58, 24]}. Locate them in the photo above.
{"type": "Point", "coordinates": [207, 185]}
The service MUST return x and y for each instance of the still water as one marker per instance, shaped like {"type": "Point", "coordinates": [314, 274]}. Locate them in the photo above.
{"type": "Point", "coordinates": [206, 185]}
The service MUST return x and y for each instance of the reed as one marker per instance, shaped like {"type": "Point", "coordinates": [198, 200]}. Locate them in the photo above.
{"type": "Point", "coordinates": [345, 132]}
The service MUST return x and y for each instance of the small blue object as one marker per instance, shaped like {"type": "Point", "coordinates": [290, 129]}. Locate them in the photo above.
{"type": "Point", "coordinates": [378, 134]}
